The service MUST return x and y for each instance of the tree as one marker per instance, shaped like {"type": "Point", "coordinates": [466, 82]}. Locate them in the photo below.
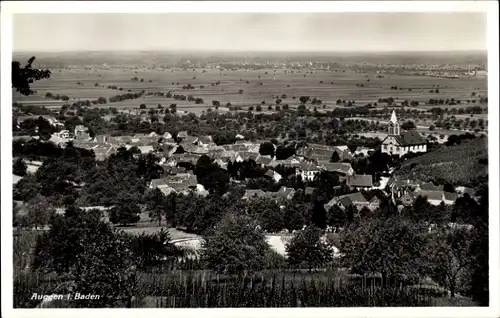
{"type": "Point", "coordinates": [95, 259]}
{"type": "Point", "coordinates": [307, 249]}
{"type": "Point", "coordinates": [125, 213]}
{"type": "Point", "coordinates": [240, 91]}
{"type": "Point", "coordinates": [266, 149]}
{"type": "Point", "coordinates": [153, 249]}
{"type": "Point", "coordinates": [337, 217]}
{"type": "Point", "coordinates": [268, 213]}
{"type": "Point", "coordinates": [155, 201]}
{"type": "Point", "coordinates": [39, 212]}
{"type": "Point", "coordinates": [235, 246]}
{"type": "Point", "coordinates": [450, 257]}
{"type": "Point", "coordinates": [318, 215]}
{"type": "Point", "coordinates": [19, 167]}
{"type": "Point", "coordinates": [392, 246]}
{"type": "Point", "coordinates": [23, 77]}
{"type": "Point", "coordinates": [142, 106]}
{"type": "Point", "coordinates": [335, 157]}
{"type": "Point", "coordinates": [211, 176]}
{"type": "Point", "coordinates": [408, 125]}
{"type": "Point", "coordinates": [464, 210]}
{"type": "Point", "coordinates": [26, 188]}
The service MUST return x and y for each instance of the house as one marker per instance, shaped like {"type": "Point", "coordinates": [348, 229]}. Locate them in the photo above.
{"type": "Point", "coordinates": [438, 197]}
{"type": "Point", "coordinates": [119, 141]}
{"type": "Point", "coordinates": [316, 152]}
{"type": "Point", "coordinates": [290, 162]}
{"type": "Point", "coordinates": [344, 201]}
{"type": "Point", "coordinates": [363, 151]}
{"type": "Point", "coordinates": [182, 134]}
{"type": "Point", "coordinates": [240, 137]}
{"type": "Point", "coordinates": [343, 168]}
{"type": "Point", "coordinates": [187, 158]}
{"type": "Point", "coordinates": [264, 161]}
{"type": "Point", "coordinates": [360, 181]}
{"type": "Point", "coordinates": [309, 191]}
{"type": "Point", "coordinates": [221, 163]}
{"type": "Point", "coordinates": [101, 139]}
{"type": "Point", "coordinates": [286, 193]}
{"type": "Point", "coordinates": [103, 152]}
{"type": "Point", "coordinates": [179, 183]}
{"type": "Point", "coordinates": [192, 148]}
{"type": "Point", "coordinates": [273, 175]}
{"type": "Point", "coordinates": [146, 149]}
{"type": "Point", "coordinates": [399, 143]}
{"type": "Point", "coordinates": [307, 170]}
{"type": "Point", "coordinates": [247, 155]}
{"type": "Point", "coordinates": [189, 140]}
{"type": "Point", "coordinates": [450, 198]}
{"type": "Point", "coordinates": [174, 170]}
{"type": "Point", "coordinates": [205, 141]}
{"type": "Point", "coordinates": [167, 135]}
{"type": "Point", "coordinates": [343, 152]}
{"type": "Point", "coordinates": [81, 132]}
{"type": "Point", "coordinates": [398, 187]}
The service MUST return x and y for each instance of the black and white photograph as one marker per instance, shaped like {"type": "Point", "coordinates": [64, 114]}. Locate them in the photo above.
{"type": "Point", "coordinates": [257, 158]}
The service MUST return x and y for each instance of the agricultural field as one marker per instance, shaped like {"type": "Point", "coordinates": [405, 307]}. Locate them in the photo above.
{"type": "Point", "coordinates": [256, 85]}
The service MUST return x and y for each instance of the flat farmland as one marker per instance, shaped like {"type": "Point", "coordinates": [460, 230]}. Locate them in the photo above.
{"type": "Point", "coordinates": [257, 86]}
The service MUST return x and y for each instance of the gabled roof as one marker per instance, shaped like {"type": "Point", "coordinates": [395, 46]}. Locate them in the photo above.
{"type": "Point", "coordinates": [431, 195]}
{"type": "Point", "coordinates": [449, 196]}
{"type": "Point", "coordinates": [342, 167]}
{"type": "Point", "coordinates": [146, 149]}
{"type": "Point", "coordinates": [285, 192]}
{"type": "Point", "coordinates": [269, 173]}
{"type": "Point", "coordinates": [348, 199]}
{"type": "Point", "coordinates": [189, 140]}
{"type": "Point", "coordinates": [308, 166]}
{"type": "Point", "coordinates": [429, 186]}
{"type": "Point", "coordinates": [409, 138]}
{"type": "Point", "coordinates": [190, 148]}
{"type": "Point", "coordinates": [264, 160]}
{"type": "Point", "coordinates": [309, 190]}
{"type": "Point", "coordinates": [182, 134]}
{"type": "Point", "coordinates": [360, 180]}
{"type": "Point", "coordinates": [205, 139]}
{"type": "Point", "coordinates": [246, 155]}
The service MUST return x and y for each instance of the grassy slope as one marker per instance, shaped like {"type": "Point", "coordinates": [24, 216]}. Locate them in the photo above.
{"type": "Point", "coordinates": [456, 164]}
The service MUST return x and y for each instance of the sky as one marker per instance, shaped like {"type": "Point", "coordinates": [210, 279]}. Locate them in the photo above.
{"type": "Point", "coordinates": [311, 32]}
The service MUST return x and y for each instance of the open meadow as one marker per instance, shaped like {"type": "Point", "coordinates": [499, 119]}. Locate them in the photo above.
{"type": "Point", "coordinates": [246, 87]}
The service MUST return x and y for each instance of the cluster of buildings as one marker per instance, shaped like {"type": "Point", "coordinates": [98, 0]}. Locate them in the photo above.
{"type": "Point", "coordinates": [309, 161]}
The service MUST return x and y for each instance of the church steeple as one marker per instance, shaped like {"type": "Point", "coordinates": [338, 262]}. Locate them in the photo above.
{"type": "Point", "coordinates": [394, 125]}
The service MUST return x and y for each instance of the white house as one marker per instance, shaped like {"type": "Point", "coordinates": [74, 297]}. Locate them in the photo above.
{"type": "Point", "coordinates": [307, 170]}
{"type": "Point", "coordinates": [399, 144]}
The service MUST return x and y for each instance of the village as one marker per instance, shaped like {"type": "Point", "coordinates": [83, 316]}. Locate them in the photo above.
{"type": "Point", "coordinates": [178, 155]}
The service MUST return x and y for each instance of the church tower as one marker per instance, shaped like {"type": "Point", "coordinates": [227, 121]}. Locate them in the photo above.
{"type": "Point", "coordinates": [393, 125]}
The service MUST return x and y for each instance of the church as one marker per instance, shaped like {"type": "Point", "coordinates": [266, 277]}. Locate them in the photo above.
{"type": "Point", "coordinates": [399, 143]}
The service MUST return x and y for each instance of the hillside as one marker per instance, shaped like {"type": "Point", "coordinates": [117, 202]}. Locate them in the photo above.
{"type": "Point", "coordinates": [458, 165]}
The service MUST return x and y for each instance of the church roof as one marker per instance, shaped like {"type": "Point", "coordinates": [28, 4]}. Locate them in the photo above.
{"type": "Point", "coordinates": [412, 137]}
